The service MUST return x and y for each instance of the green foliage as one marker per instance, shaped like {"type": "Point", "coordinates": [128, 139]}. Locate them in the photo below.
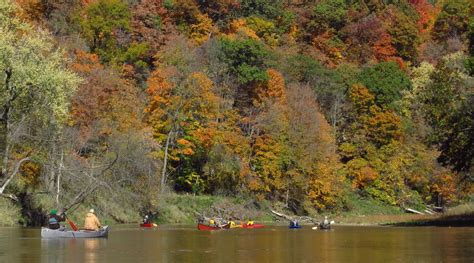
{"type": "Point", "coordinates": [405, 36]}
{"type": "Point", "coordinates": [9, 213]}
{"type": "Point", "coordinates": [135, 54]}
{"type": "Point", "coordinates": [247, 59]}
{"type": "Point", "coordinates": [448, 107]}
{"type": "Point", "coordinates": [39, 82]}
{"type": "Point", "coordinates": [103, 21]}
{"type": "Point", "coordinates": [264, 29]}
{"type": "Point", "coordinates": [386, 81]}
{"type": "Point", "coordinates": [330, 14]}
{"type": "Point", "coordinates": [270, 9]}
{"type": "Point", "coordinates": [453, 20]}
{"type": "Point", "coordinates": [301, 68]}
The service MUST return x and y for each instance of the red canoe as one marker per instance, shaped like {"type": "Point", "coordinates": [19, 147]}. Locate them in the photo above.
{"type": "Point", "coordinates": [206, 227]}
{"type": "Point", "coordinates": [253, 226]}
{"type": "Point", "coordinates": [149, 225]}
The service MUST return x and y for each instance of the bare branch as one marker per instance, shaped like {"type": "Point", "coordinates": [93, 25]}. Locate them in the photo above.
{"type": "Point", "coordinates": [15, 171]}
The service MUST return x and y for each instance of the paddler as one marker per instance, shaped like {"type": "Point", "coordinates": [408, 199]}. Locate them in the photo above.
{"type": "Point", "coordinates": [54, 219]}
{"type": "Point", "coordinates": [91, 222]}
{"type": "Point", "coordinates": [231, 223]}
{"type": "Point", "coordinates": [212, 222]}
{"type": "Point", "coordinates": [146, 220]}
{"type": "Point", "coordinates": [250, 223]}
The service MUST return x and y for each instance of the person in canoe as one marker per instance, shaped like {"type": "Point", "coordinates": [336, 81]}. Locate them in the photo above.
{"type": "Point", "coordinates": [250, 223]}
{"type": "Point", "coordinates": [231, 223]}
{"type": "Point", "coordinates": [91, 222]}
{"type": "Point", "coordinates": [212, 222]}
{"type": "Point", "coordinates": [54, 219]}
{"type": "Point", "coordinates": [294, 223]}
{"type": "Point", "coordinates": [325, 224]}
{"type": "Point", "coordinates": [146, 220]}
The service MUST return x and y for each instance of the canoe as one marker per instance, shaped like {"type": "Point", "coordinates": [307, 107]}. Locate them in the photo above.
{"type": "Point", "coordinates": [149, 225]}
{"type": "Point", "coordinates": [294, 227]}
{"type": "Point", "coordinates": [324, 226]}
{"type": "Point", "coordinates": [55, 233]}
{"type": "Point", "coordinates": [253, 226]}
{"type": "Point", "coordinates": [206, 227]}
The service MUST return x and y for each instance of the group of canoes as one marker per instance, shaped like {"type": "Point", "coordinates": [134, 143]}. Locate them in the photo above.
{"type": "Point", "coordinates": [324, 225]}
{"type": "Point", "coordinates": [211, 224]}
{"type": "Point", "coordinates": [218, 224]}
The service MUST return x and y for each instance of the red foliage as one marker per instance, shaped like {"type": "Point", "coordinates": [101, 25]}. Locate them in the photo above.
{"type": "Point", "coordinates": [427, 14]}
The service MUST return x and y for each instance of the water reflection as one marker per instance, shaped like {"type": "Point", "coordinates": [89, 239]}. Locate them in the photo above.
{"type": "Point", "coordinates": [71, 250]}
{"type": "Point", "coordinates": [272, 244]}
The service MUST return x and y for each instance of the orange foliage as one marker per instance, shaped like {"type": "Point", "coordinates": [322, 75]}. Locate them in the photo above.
{"type": "Point", "coordinates": [361, 173]}
{"type": "Point", "coordinates": [273, 89]}
{"type": "Point", "coordinates": [427, 13]}
{"type": "Point", "coordinates": [381, 126]}
{"type": "Point", "coordinates": [103, 96]}
{"type": "Point", "coordinates": [444, 187]}
{"type": "Point", "coordinates": [30, 173]}
{"type": "Point", "coordinates": [86, 63]}
{"type": "Point", "coordinates": [361, 97]}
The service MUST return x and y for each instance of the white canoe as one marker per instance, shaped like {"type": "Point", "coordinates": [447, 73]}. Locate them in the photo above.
{"type": "Point", "coordinates": [54, 233]}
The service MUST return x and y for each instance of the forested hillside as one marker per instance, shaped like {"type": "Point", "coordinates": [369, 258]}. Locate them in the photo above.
{"type": "Point", "coordinates": [306, 103]}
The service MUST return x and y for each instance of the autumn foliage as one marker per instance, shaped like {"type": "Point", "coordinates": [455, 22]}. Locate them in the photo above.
{"type": "Point", "coordinates": [302, 103]}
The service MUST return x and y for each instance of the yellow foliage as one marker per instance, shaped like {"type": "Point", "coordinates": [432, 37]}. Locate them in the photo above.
{"type": "Point", "coordinates": [202, 30]}
{"type": "Point", "coordinates": [238, 28]}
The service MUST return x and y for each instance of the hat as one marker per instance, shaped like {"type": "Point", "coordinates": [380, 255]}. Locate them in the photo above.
{"type": "Point", "coordinates": [92, 210]}
{"type": "Point", "coordinates": [53, 211]}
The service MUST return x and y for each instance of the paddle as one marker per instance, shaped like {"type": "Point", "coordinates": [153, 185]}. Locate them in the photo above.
{"type": "Point", "coordinates": [73, 226]}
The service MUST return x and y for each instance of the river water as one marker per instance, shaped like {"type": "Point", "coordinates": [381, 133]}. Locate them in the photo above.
{"type": "Point", "coordinates": [178, 243]}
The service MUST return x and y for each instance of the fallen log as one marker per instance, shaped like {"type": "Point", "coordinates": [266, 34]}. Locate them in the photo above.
{"type": "Point", "coordinates": [413, 211]}
{"type": "Point", "coordinates": [428, 212]}
{"type": "Point", "coordinates": [282, 215]}
{"type": "Point", "coordinates": [301, 219]}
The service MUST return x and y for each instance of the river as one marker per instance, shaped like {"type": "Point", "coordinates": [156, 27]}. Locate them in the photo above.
{"type": "Point", "coordinates": [184, 243]}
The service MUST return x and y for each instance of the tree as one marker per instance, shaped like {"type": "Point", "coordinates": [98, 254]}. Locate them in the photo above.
{"type": "Point", "coordinates": [330, 14]}
{"type": "Point", "coordinates": [220, 9]}
{"type": "Point", "coordinates": [247, 59]}
{"type": "Point", "coordinates": [103, 21]}
{"type": "Point", "coordinates": [202, 30]}
{"type": "Point", "coordinates": [105, 102]}
{"type": "Point", "coordinates": [362, 36]}
{"type": "Point", "coordinates": [448, 110]}
{"type": "Point", "coordinates": [404, 34]}
{"type": "Point", "coordinates": [452, 20]}
{"type": "Point", "coordinates": [35, 82]}
{"type": "Point", "coordinates": [386, 81]}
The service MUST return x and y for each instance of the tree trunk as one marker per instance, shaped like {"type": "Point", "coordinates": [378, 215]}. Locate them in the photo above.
{"type": "Point", "coordinates": [58, 181]}
{"type": "Point", "coordinates": [165, 161]}
{"type": "Point", "coordinates": [5, 124]}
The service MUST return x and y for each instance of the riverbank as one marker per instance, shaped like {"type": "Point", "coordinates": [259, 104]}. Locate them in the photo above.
{"type": "Point", "coordinates": [184, 209]}
{"type": "Point", "coordinates": [462, 215]}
